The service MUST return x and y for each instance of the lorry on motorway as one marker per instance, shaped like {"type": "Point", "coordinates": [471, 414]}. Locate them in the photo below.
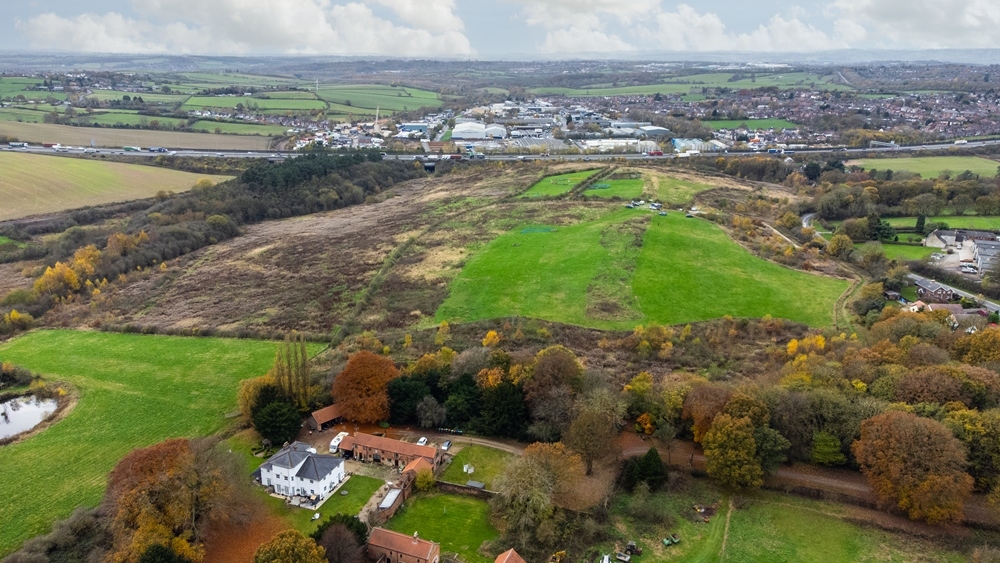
{"type": "Point", "coordinates": [18, 145]}
{"type": "Point", "coordinates": [961, 142]}
{"type": "Point", "coordinates": [655, 153]}
{"type": "Point", "coordinates": [131, 149]}
{"type": "Point", "coordinates": [156, 149]}
{"type": "Point", "coordinates": [50, 145]}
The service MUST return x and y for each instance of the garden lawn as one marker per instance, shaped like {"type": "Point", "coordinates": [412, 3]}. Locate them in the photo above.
{"type": "Point", "coordinates": [671, 190]}
{"type": "Point", "coordinates": [687, 270]}
{"type": "Point", "coordinates": [622, 189]}
{"type": "Point", "coordinates": [32, 184]}
{"type": "Point", "coordinates": [558, 185]}
{"type": "Point", "coordinates": [460, 524]}
{"type": "Point", "coordinates": [933, 166]}
{"type": "Point", "coordinates": [486, 462]}
{"type": "Point", "coordinates": [752, 124]}
{"type": "Point", "coordinates": [983, 223]}
{"type": "Point", "coordinates": [135, 391]}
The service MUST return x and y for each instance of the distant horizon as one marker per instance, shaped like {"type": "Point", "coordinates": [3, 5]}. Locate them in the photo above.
{"type": "Point", "coordinates": [497, 28]}
{"type": "Point", "coordinates": [826, 57]}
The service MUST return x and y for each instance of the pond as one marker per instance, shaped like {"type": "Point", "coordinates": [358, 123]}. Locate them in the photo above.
{"type": "Point", "coordinates": [24, 413]}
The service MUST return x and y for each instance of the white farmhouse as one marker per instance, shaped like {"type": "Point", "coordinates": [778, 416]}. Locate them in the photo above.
{"type": "Point", "coordinates": [298, 471]}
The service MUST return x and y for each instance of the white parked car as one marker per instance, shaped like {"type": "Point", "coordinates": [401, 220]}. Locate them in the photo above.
{"type": "Point", "coordinates": [422, 441]}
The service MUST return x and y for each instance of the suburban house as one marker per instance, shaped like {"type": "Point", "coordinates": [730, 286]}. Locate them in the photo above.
{"type": "Point", "coordinates": [324, 417]}
{"type": "Point", "coordinates": [394, 453]}
{"type": "Point", "coordinates": [509, 556]}
{"type": "Point", "coordinates": [929, 290]}
{"type": "Point", "coordinates": [386, 546]}
{"type": "Point", "coordinates": [298, 471]}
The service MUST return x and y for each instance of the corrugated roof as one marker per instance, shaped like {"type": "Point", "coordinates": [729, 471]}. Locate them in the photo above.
{"type": "Point", "coordinates": [390, 499]}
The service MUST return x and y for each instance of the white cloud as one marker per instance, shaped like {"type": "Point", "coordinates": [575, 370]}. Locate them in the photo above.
{"type": "Point", "coordinates": [921, 24]}
{"type": "Point", "coordinates": [247, 26]}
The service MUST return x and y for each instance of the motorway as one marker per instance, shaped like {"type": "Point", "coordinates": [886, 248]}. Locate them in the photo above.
{"type": "Point", "coordinates": [190, 153]}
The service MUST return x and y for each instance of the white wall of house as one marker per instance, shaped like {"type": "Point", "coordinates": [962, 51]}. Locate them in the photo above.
{"type": "Point", "coordinates": [285, 482]}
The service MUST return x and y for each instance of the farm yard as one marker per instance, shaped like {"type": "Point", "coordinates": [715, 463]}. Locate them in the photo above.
{"type": "Point", "coordinates": [686, 270]}
{"type": "Point", "coordinates": [559, 184]}
{"type": "Point", "coordinates": [134, 391]}
{"type": "Point", "coordinates": [34, 184]}
{"type": "Point", "coordinates": [932, 166]}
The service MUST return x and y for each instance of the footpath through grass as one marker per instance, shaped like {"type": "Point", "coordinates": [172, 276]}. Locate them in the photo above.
{"type": "Point", "coordinates": [932, 166]}
{"type": "Point", "coordinates": [32, 184]}
{"type": "Point", "coordinates": [558, 185]}
{"type": "Point", "coordinates": [687, 270]}
{"type": "Point", "coordinates": [460, 524]}
{"type": "Point", "coordinates": [487, 463]}
{"type": "Point", "coordinates": [135, 390]}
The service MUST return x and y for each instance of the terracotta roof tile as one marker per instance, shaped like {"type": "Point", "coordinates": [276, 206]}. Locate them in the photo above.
{"type": "Point", "coordinates": [401, 543]}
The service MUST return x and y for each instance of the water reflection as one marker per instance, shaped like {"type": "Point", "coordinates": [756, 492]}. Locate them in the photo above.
{"type": "Point", "coordinates": [23, 413]}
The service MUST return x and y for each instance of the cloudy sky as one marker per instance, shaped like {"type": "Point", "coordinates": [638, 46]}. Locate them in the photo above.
{"type": "Point", "coordinates": [493, 28]}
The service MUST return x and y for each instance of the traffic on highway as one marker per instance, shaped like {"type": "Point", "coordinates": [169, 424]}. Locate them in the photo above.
{"type": "Point", "coordinates": [139, 152]}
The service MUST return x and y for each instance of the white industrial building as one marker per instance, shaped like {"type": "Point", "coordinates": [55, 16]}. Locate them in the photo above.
{"type": "Point", "coordinates": [298, 471]}
{"type": "Point", "coordinates": [469, 130]}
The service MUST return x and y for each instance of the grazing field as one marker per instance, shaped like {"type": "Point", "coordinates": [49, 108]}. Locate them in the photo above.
{"type": "Point", "coordinates": [388, 99]}
{"type": "Point", "coordinates": [230, 102]}
{"type": "Point", "coordinates": [134, 391]}
{"type": "Point", "coordinates": [37, 133]}
{"type": "Point", "coordinates": [688, 84]}
{"type": "Point", "coordinates": [23, 115]}
{"type": "Point", "coordinates": [976, 222]}
{"type": "Point", "coordinates": [487, 463]}
{"type": "Point", "coordinates": [128, 118]}
{"type": "Point", "coordinates": [558, 185]}
{"type": "Point", "coordinates": [903, 252]}
{"type": "Point", "coordinates": [460, 524]}
{"type": "Point", "coordinates": [769, 527]}
{"type": "Point", "coordinates": [752, 124]}
{"type": "Point", "coordinates": [32, 184]}
{"type": "Point", "coordinates": [687, 270]}
{"type": "Point", "coordinates": [148, 97]}
{"type": "Point", "coordinates": [932, 166]}
{"type": "Point", "coordinates": [230, 128]}
{"type": "Point", "coordinates": [674, 191]}
{"type": "Point", "coordinates": [623, 189]}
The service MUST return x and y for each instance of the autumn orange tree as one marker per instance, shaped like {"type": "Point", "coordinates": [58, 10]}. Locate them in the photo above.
{"type": "Point", "coordinates": [290, 546]}
{"type": "Point", "coordinates": [916, 464]}
{"type": "Point", "coordinates": [361, 389]}
{"type": "Point", "coordinates": [166, 493]}
{"type": "Point", "coordinates": [731, 452]}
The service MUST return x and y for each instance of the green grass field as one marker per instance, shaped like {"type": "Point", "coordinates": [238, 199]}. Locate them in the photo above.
{"type": "Point", "coordinates": [685, 85]}
{"type": "Point", "coordinates": [773, 527]}
{"type": "Point", "coordinates": [932, 166]}
{"type": "Point", "coordinates": [903, 252]}
{"type": "Point", "coordinates": [135, 391]}
{"type": "Point", "coordinates": [558, 185]}
{"type": "Point", "coordinates": [487, 464]}
{"type": "Point", "coordinates": [148, 97]}
{"type": "Point", "coordinates": [37, 133]}
{"type": "Point", "coordinates": [387, 99]}
{"type": "Point", "coordinates": [984, 223]}
{"type": "Point", "coordinates": [33, 184]}
{"type": "Point", "coordinates": [623, 189]}
{"type": "Point", "coordinates": [23, 115]}
{"type": "Point", "coordinates": [687, 270]}
{"type": "Point", "coordinates": [460, 524]}
{"type": "Point", "coordinates": [230, 102]}
{"type": "Point", "coordinates": [239, 128]}
{"type": "Point", "coordinates": [128, 118]}
{"type": "Point", "coordinates": [752, 124]}
{"type": "Point", "coordinates": [670, 190]}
